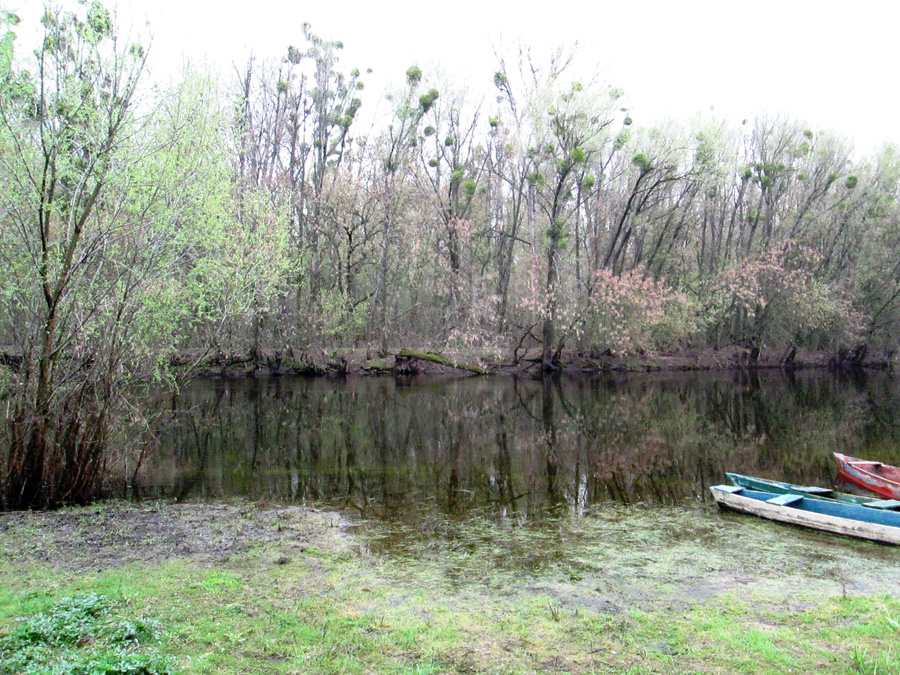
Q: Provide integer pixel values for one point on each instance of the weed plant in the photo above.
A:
(83, 635)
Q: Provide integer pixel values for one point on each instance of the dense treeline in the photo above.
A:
(548, 214)
(258, 215)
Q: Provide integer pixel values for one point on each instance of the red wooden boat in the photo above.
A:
(875, 477)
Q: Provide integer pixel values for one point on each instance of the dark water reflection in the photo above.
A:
(516, 447)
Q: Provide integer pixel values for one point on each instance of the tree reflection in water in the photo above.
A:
(511, 446)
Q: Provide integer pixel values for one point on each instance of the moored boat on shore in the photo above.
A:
(874, 477)
(828, 516)
(814, 492)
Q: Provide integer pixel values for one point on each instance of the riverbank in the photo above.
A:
(241, 587)
(405, 361)
(415, 362)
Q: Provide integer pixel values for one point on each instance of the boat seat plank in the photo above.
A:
(733, 489)
(887, 504)
(784, 500)
(815, 490)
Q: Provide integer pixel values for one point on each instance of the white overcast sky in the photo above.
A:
(834, 65)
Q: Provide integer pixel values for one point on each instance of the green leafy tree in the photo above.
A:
(108, 243)
(63, 126)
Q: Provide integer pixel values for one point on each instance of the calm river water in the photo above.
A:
(516, 447)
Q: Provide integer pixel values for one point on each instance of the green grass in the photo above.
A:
(584, 596)
(86, 634)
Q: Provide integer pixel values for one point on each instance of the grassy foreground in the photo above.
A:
(238, 588)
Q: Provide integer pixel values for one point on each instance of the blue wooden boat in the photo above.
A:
(829, 516)
(814, 492)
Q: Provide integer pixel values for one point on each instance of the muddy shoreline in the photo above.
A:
(117, 534)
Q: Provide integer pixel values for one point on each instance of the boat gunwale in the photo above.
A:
(811, 491)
